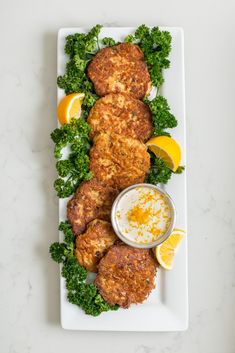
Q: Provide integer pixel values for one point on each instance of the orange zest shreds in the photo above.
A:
(138, 215)
(148, 197)
(156, 213)
(118, 214)
(155, 231)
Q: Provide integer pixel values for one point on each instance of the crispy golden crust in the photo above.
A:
(92, 200)
(122, 114)
(126, 275)
(119, 161)
(94, 243)
(120, 68)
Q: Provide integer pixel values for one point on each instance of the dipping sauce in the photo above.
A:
(143, 215)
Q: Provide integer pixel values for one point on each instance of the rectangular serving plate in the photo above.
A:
(166, 309)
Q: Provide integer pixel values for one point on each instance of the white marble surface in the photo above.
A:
(29, 292)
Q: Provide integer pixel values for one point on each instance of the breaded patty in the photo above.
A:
(122, 114)
(94, 243)
(92, 200)
(126, 275)
(119, 161)
(120, 68)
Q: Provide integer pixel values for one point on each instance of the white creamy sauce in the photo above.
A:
(143, 214)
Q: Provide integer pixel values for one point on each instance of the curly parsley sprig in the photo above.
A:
(159, 172)
(80, 48)
(108, 42)
(79, 292)
(162, 117)
(73, 170)
(156, 46)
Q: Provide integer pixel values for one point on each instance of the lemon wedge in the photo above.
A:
(165, 252)
(166, 148)
(70, 107)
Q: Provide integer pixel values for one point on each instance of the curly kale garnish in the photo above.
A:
(80, 48)
(75, 79)
(73, 170)
(130, 38)
(83, 44)
(108, 42)
(156, 46)
(60, 251)
(159, 172)
(66, 228)
(80, 293)
(162, 117)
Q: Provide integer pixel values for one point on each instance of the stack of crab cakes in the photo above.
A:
(121, 123)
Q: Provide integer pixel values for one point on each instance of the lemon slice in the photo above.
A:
(166, 148)
(70, 107)
(165, 252)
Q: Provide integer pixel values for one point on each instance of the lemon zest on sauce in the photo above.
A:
(138, 215)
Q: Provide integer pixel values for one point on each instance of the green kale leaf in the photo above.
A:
(79, 292)
(108, 42)
(161, 116)
(156, 46)
(159, 172)
(80, 48)
(73, 170)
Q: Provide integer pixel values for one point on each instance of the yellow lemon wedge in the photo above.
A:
(165, 252)
(166, 148)
(70, 107)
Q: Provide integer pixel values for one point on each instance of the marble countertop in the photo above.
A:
(29, 293)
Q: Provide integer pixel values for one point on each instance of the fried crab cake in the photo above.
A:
(126, 275)
(92, 200)
(94, 243)
(120, 68)
(122, 114)
(119, 161)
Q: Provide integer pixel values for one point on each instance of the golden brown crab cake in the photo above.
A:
(94, 243)
(120, 68)
(92, 200)
(119, 161)
(126, 275)
(122, 114)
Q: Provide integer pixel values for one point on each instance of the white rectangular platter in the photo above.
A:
(167, 307)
